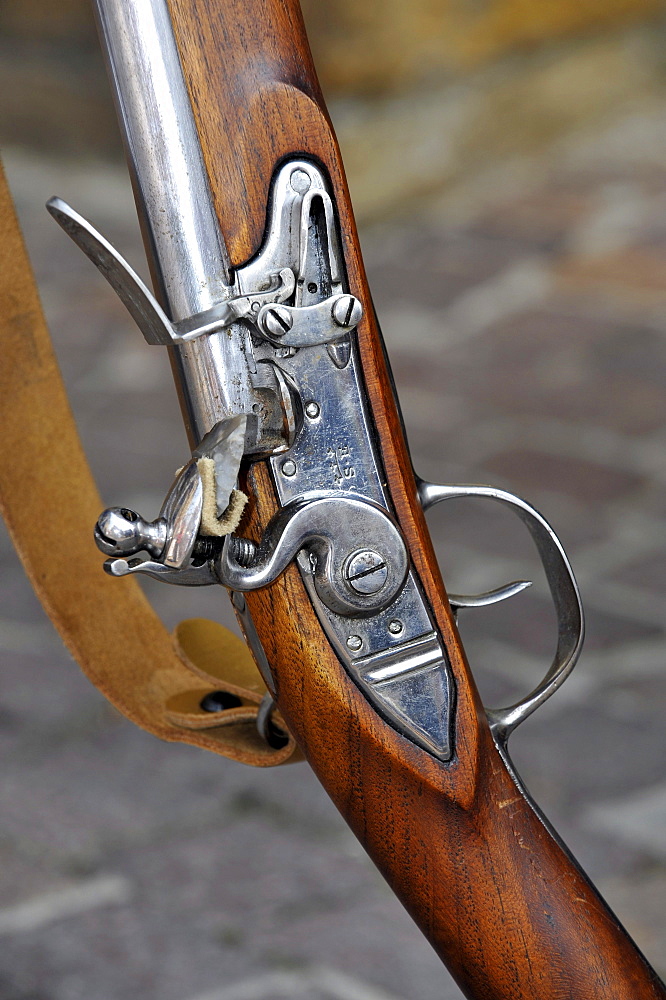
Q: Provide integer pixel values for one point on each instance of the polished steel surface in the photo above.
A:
(189, 576)
(253, 640)
(563, 589)
(142, 305)
(366, 571)
(164, 150)
(306, 352)
(171, 538)
(140, 302)
(122, 532)
(458, 601)
(400, 659)
(331, 529)
(174, 198)
(334, 449)
(309, 326)
(267, 407)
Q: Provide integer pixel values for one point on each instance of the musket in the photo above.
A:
(299, 498)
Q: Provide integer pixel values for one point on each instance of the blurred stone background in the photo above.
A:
(507, 161)
(424, 94)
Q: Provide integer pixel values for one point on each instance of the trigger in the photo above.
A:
(458, 601)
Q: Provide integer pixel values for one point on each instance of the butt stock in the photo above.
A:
(500, 899)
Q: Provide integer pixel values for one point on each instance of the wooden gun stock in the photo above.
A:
(465, 850)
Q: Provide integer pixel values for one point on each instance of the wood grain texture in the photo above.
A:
(503, 904)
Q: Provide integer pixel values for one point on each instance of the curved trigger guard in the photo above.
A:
(563, 589)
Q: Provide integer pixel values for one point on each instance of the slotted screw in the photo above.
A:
(277, 321)
(366, 572)
(347, 310)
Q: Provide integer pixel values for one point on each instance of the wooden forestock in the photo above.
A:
(504, 905)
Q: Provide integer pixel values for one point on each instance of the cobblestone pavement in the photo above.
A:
(528, 339)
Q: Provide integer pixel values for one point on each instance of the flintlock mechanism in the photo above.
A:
(291, 315)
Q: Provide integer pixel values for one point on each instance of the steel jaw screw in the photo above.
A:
(277, 321)
(366, 572)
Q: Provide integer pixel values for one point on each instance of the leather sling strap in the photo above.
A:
(50, 503)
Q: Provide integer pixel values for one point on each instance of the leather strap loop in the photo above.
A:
(156, 680)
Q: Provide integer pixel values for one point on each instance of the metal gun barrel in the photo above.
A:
(191, 265)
